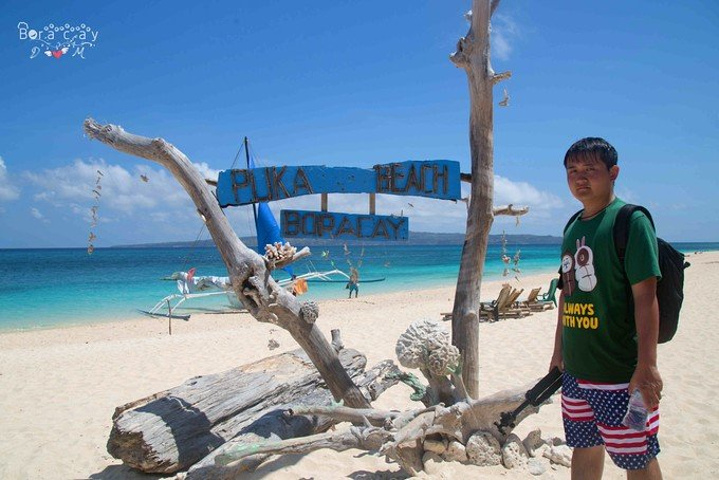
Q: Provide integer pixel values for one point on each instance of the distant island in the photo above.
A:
(415, 238)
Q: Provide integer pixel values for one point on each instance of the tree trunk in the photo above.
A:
(251, 279)
(473, 55)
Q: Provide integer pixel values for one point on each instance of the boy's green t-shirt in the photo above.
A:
(599, 334)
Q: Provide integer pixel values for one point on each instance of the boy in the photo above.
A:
(608, 323)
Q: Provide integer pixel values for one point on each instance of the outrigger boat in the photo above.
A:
(193, 287)
(268, 232)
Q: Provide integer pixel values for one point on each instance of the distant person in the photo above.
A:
(608, 323)
(353, 284)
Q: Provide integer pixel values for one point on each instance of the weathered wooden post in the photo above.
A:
(473, 56)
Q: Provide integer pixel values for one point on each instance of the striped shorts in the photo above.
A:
(592, 414)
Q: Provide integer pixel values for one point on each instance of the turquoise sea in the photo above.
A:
(41, 288)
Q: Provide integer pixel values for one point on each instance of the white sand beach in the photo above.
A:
(59, 387)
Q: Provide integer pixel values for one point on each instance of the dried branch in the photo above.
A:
(510, 210)
(498, 77)
(461, 56)
(401, 434)
(305, 252)
(364, 438)
(389, 419)
(251, 280)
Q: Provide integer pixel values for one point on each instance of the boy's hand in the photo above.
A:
(556, 361)
(649, 382)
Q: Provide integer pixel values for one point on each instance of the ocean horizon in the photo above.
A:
(50, 288)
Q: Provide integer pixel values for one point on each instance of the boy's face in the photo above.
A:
(589, 179)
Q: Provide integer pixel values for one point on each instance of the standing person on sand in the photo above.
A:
(353, 284)
(608, 324)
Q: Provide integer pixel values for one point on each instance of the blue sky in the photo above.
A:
(353, 83)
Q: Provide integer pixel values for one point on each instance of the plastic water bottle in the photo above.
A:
(636, 416)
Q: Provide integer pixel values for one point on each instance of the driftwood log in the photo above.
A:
(171, 430)
(400, 436)
(310, 415)
(250, 273)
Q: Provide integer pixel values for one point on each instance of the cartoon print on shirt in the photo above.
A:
(584, 258)
(568, 277)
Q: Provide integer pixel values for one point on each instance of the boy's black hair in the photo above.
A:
(594, 148)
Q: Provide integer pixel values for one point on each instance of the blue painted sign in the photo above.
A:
(433, 178)
(332, 225)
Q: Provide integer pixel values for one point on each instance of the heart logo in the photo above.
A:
(57, 53)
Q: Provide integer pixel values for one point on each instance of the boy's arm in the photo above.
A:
(557, 359)
(646, 314)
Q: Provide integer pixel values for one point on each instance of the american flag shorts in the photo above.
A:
(592, 414)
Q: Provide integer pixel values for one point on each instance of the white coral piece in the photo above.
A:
(277, 252)
(443, 359)
(427, 345)
(514, 453)
(483, 450)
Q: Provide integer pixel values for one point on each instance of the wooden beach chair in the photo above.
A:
(547, 301)
(506, 305)
(502, 297)
(486, 308)
(515, 308)
(533, 294)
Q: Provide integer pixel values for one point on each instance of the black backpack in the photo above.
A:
(670, 289)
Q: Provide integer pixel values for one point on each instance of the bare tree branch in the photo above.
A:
(377, 418)
(511, 210)
(498, 77)
(251, 280)
(401, 435)
(272, 265)
(356, 437)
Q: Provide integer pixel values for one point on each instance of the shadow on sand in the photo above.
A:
(123, 472)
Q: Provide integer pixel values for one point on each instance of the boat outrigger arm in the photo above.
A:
(191, 286)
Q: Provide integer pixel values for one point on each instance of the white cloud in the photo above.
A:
(524, 194)
(504, 32)
(8, 191)
(38, 215)
(133, 202)
(627, 195)
(113, 188)
(206, 171)
(544, 207)
(430, 214)
(159, 208)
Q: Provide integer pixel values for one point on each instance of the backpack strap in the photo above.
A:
(621, 228)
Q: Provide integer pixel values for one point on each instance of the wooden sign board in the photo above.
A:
(433, 178)
(333, 225)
